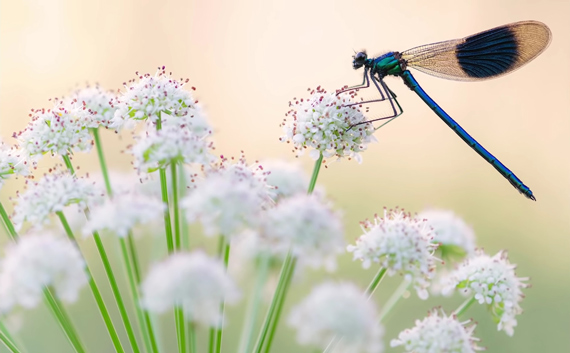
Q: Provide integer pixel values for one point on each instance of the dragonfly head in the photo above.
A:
(359, 59)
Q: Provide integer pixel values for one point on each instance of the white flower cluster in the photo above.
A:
(61, 130)
(11, 162)
(240, 171)
(36, 261)
(288, 178)
(492, 280)
(338, 313)
(100, 104)
(175, 142)
(307, 226)
(436, 334)
(450, 231)
(229, 200)
(326, 123)
(52, 194)
(192, 281)
(400, 244)
(150, 96)
(123, 212)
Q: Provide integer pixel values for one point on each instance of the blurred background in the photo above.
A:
(248, 58)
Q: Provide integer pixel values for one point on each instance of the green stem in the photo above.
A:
(212, 340)
(184, 224)
(175, 208)
(167, 222)
(222, 305)
(137, 277)
(164, 191)
(135, 293)
(7, 333)
(8, 343)
(375, 282)
(95, 290)
(63, 319)
(315, 175)
(253, 305)
(394, 299)
(180, 329)
(273, 305)
(8, 223)
(179, 313)
(68, 163)
(213, 343)
(101, 156)
(280, 305)
(463, 308)
(115, 289)
(192, 338)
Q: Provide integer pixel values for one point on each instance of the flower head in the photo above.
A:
(61, 130)
(436, 334)
(451, 232)
(123, 212)
(99, 102)
(192, 281)
(36, 261)
(400, 244)
(52, 194)
(288, 178)
(308, 226)
(327, 123)
(339, 312)
(229, 200)
(493, 282)
(150, 96)
(11, 162)
(175, 142)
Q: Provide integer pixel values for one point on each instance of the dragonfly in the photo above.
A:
(485, 55)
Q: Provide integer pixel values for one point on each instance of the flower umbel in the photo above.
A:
(100, 104)
(451, 232)
(401, 244)
(327, 124)
(152, 95)
(288, 178)
(36, 261)
(192, 281)
(173, 143)
(52, 194)
(60, 130)
(437, 333)
(229, 200)
(338, 312)
(11, 162)
(308, 226)
(123, 212)
(492, 280)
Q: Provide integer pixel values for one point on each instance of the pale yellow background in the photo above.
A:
(248, 58)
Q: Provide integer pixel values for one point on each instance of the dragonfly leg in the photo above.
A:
(382, 96)
(396, 109)
(365, 84)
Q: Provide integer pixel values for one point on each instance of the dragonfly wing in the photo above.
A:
(484, 55)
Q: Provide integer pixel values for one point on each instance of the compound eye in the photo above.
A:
(360, 56)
